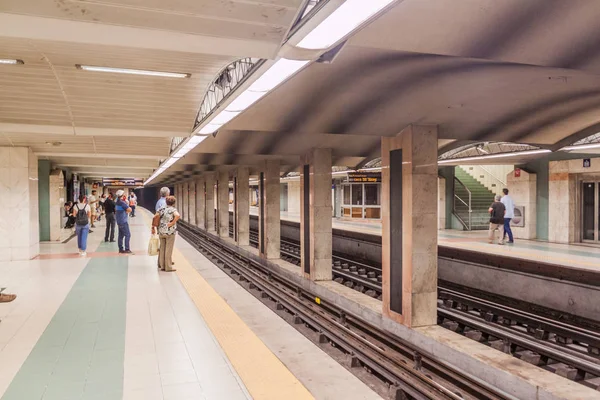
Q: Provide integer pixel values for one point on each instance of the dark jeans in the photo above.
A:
(124, 233)
(110, 226)
(132, 211)
(507, 230)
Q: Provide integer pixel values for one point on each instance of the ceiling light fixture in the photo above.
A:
(501, 155)
(184, 148)
(346, 18)
(273, 77)
(132, 71)
(581, 147)
(11, 61)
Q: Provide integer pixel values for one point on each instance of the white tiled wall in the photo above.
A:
(19, 215)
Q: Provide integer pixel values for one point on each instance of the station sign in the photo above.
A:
(122, 182)
(364, 177)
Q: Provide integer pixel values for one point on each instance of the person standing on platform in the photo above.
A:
(166, 231)
(510, 214)
(497, 211)
(122, 210)
(93, 203)
(132, 202)
(82, 213)
(161, 203)
(101, 201)
(109, 210)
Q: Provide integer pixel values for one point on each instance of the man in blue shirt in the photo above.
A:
(510, 214)
(122, 210)
(162, 202)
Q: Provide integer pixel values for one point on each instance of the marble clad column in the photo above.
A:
(192, 202)
(223, 203)
(316, 216)
(210, 201)
(523, 190)
(242, 206)
(562, 204)
(19, 208)
(409, 222)
(200, 203)
(184, 201)
(269, 211)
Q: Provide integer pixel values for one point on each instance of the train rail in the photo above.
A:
(566, 349)
(392, 367)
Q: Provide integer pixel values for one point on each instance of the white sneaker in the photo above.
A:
(83, 254)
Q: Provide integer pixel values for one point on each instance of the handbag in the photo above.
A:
(153, 245)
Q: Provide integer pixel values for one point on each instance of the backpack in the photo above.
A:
(81, 218)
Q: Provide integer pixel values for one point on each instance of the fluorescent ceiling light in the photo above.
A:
(370, 169)
(245, 100)
(224, 117)
(341, 22)
(10, 61)
(210, 128)
(197, 139)
(501, 155)
(582, 147)
(133, 71)
(275, 75)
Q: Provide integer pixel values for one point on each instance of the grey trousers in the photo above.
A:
(165, 252)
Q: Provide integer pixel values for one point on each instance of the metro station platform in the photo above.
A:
(109, 326)
(576, 256)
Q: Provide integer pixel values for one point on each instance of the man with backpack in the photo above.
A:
(82, 212)
(122, 211)
(497, 211)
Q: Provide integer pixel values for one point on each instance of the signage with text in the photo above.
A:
(122, 182)
(364, 177)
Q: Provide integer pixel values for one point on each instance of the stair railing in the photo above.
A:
(465, 202)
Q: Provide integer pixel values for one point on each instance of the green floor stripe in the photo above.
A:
(80, 355)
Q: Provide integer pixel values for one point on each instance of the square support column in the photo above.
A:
(241, 207)
(200, 203)
(316, 215)
(192, 202)
(409, 222)
(185, 200)
(209, 193)
(269, 229)
(223, 203)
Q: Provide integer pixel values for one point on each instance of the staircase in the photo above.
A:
(481, 198)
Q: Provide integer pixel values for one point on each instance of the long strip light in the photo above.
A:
(341, 22)
(582, 147)
(273, 77)
(132, 71)
(10, 61)
(182, 150)
(501, 155)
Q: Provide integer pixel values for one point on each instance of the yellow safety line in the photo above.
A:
(263, 374)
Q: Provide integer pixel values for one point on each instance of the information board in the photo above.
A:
(364, 177)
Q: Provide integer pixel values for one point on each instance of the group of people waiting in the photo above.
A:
(116, 209)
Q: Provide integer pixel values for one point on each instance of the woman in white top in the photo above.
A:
(82, 212)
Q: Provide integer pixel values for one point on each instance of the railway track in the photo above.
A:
(392, 367)
(563, 348)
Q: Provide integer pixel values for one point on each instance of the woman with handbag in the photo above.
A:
(167, 228)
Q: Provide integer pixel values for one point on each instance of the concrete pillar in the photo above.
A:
(185, 202)
(19, 208)
(200, 204)
(293, 197)
(57, 195)
(315, 215)
(44, 199)
(241, 207)
(192, 202)
(209, 193)
(269, 229)
(409, 222)
(522, 187)
(223, 203)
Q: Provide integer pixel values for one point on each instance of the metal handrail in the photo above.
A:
(492, 175)
(457, 197)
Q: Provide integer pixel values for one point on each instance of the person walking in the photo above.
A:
(122, 210)
(166, 232)
(93, 203)
(109, 215)
(101, 201)
(496, 211)
(132, 202)
(510, 214)
(82, 213)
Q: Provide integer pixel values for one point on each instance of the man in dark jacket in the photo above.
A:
(109, 212)
(497, 211)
